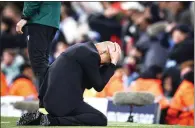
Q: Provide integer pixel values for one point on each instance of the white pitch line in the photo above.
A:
(5, 122)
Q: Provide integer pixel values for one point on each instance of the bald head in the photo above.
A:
(108, 44)
(103, 49)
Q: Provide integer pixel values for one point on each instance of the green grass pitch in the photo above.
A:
(10, 122)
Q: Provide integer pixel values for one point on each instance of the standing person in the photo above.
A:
(81, 66)
(42, 20)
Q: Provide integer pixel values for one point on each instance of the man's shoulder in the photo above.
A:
(83, 48)
(77, 51)
(83, 52)
(75, 48)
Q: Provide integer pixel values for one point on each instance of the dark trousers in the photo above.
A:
(83, 115)
(39, 38)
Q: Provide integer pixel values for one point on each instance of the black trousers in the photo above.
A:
(83, 115)
(39, 38)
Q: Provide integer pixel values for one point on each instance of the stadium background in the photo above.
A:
(143, 30)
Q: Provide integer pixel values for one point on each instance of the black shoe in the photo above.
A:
(45, 121)
(30, 119)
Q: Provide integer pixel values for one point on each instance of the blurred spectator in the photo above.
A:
(130, 31)
(10, 64)
(150, 81)
(106, 24)
(4, 86)
(181, 110)
(182, 43)
(114, 85)
(179, 12)
(61, 47)
(153, 12)
(8, 38)
(181, 33)
(163, 8)
(6, 25)
(59, 36)
(24, 54)
(157, 54)
(144, 40)
(68, 25)
(143, 43)
(86, 8)
(136, 57)
(153, 46)
(12, 11)
(130, 72)
(23, 84)
(170, 81)
(11, 15)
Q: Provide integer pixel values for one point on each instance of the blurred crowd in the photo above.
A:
(157, 40)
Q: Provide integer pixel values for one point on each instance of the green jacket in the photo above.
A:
(45, 13)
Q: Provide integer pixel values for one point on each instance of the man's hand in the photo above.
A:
(20, 25)
(115, 54)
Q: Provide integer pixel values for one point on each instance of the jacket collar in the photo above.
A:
(92, 46)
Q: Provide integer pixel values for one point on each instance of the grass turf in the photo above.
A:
(10, 122)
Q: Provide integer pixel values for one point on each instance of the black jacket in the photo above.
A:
(174, 74)
(182, 51)
(73, 71)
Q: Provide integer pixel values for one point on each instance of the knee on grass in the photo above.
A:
(101, 120)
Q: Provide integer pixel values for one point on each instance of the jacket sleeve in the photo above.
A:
(30, 9)
(97, 76)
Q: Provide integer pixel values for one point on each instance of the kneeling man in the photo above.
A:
(81, 66)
